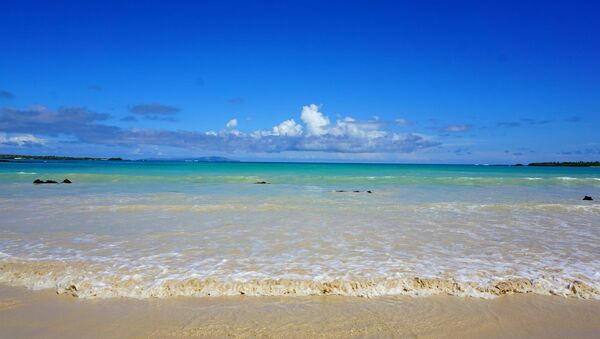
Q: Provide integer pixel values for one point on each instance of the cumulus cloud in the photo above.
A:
(6, 95)
(316, 122)
(318, 134)
(20, 140)
(153, 109)
(232, 123)
(288, 128)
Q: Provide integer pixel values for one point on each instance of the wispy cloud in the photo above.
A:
(6, 95)
(236, 101)
(96, 88)
(510, 124)
(129, 118)
(586, 151)
(457, 128)
(41, 120)
(523, 121)
(462, 151)
(536, 121)
(402, 122)
(20, 140)
(153, 109)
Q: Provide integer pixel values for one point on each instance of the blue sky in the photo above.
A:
(393, 81)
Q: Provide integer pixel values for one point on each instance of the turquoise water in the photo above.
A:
(159, 229)
(300, 173)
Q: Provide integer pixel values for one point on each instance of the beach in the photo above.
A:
(137, 249)
(26, 314)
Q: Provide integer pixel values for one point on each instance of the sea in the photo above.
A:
(160, 229)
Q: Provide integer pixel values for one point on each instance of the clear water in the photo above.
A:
(160, 229)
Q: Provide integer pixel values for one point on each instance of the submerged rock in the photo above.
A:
(261, 183)
(587, 197)
(38, 181)
(356, 191)
(50, 182)
(67, 181)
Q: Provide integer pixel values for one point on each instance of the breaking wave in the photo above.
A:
(78, 280)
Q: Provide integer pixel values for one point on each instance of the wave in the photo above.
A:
(314, 179)
(69, 279)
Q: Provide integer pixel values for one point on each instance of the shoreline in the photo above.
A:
(26, 313)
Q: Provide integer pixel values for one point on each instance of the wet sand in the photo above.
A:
(35, 314)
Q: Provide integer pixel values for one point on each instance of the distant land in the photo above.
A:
(51, 157)
(20, 157)
(568, 164)
(199, 159)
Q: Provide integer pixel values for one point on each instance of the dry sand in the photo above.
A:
(29, 314)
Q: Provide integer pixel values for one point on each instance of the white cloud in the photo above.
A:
(232, 123)
(288, 128)
(316, 122)
(457, 128)
(402, 122)
(348, 127)
(315, 133)
(20, 140)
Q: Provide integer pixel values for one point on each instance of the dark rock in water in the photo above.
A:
(67, 181)
(38, 181)
(342, 191)
(587, 197)
(262, 183)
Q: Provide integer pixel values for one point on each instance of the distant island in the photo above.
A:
(568, 164)
(21, 158)
(199, 159)
(18, 157)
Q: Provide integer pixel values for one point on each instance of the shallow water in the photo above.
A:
(143, 229)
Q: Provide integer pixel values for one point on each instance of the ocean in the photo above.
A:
(174, 228)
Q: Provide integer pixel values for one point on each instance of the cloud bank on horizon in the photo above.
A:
(38, 125)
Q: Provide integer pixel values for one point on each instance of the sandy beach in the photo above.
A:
(44, 314)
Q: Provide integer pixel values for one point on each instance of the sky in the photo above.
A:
(352, 81)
